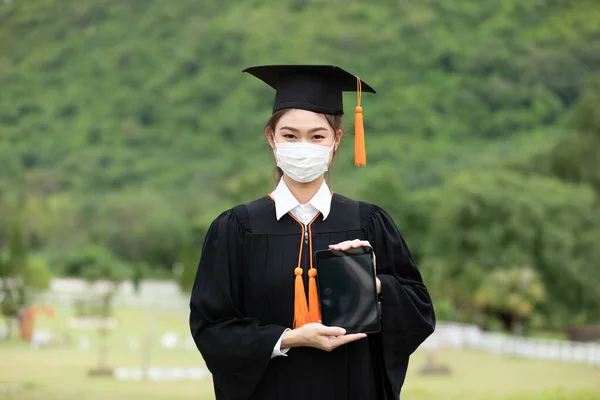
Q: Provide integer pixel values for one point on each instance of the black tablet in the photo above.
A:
(347, 290)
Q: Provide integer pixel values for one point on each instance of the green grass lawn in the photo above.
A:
(61, 372)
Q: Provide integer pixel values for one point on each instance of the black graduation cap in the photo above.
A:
(316, 88)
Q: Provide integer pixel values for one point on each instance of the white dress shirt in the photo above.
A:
(286, 202)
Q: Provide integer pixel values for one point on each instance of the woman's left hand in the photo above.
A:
(354, 244)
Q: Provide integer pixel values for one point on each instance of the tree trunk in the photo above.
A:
(517, 327)
(149, 341)
(103, 347)
(507, 321)
(9, 327)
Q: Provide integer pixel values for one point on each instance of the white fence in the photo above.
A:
(146, 287)
(166, 296)
(162, 374)
(151, 294)
(174, 303)
(459, 336)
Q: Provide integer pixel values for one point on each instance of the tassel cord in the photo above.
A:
(303, 314)
(360, 153)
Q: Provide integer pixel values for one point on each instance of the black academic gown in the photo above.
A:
(243, 300)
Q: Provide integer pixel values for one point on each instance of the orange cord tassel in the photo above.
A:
(360, 153)
(313, 297)
(301, 315)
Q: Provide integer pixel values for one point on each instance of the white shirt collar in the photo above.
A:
(286, 202)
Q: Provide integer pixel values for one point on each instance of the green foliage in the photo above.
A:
(189, 260)
(500, 218)
(94, 104)
(411, 210)
(92, 262)
(17, 251)
(12, 298)
(137, 226)
(37, 274)
(514, 292)
(12, 269)
(576, 157)
(140, 271)
(16, 286)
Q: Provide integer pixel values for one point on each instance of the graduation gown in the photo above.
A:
(243, 295)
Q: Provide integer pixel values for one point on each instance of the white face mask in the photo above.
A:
(303, 162)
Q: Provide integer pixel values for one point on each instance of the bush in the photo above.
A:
(92, 262)
(37, 274)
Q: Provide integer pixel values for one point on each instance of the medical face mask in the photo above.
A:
(303, 162)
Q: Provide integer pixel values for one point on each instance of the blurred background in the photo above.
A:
(126, 127)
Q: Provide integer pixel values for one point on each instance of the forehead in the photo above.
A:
(303, 119)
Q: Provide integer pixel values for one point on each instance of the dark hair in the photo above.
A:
(335, 121)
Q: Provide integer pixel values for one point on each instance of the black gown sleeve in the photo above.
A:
(408, 317)
(236, 349)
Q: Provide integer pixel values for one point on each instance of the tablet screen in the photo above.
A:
(347, 291)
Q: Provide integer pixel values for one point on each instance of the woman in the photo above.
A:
(250, 318)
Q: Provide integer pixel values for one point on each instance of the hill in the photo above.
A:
(107, 95)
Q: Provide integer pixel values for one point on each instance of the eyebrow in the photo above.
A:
(313, 130)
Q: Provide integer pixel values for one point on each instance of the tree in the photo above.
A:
(501, 218)
(96, 263)
(12, 288)
(411, 211)
(91, 262)
(138, 226)
(576, 157)
(189, 259)
(511, 294)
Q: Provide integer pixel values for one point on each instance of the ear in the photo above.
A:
(269, 135)
(338, 138)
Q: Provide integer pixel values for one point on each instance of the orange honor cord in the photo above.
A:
(360, 153)
(302, 315)
(300, 304)
(314, 310)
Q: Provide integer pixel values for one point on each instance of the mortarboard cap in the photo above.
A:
(316, 88)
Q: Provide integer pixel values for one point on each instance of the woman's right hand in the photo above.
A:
(318, 336)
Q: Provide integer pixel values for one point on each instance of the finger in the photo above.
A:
(356, 335)
(341, 246)
(330, 331)
(349, 244)
(356, 243)
(342, 340)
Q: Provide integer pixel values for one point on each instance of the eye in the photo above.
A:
(289, 136)
(318, 137)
